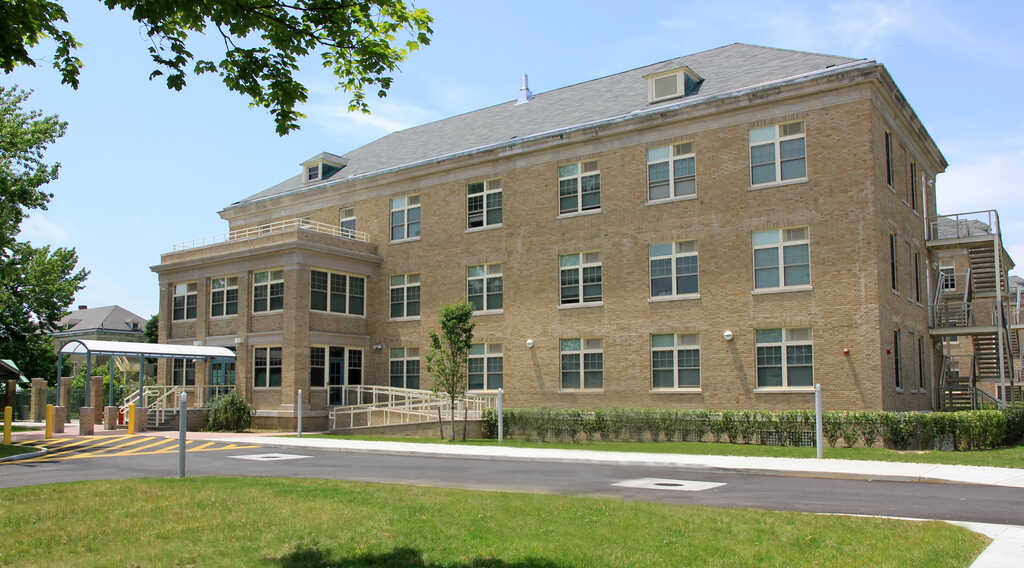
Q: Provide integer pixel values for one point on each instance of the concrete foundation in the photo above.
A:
(86, 421)
(60, 414)
(37, 406)
(110, 417)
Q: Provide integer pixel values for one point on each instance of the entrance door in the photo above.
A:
(336, 376)
(222, 378)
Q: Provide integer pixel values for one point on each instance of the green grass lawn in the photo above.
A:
(306, 522)
(10, 450)
(24, 428)
(1003, 457)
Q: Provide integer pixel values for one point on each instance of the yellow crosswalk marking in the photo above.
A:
(127, 445)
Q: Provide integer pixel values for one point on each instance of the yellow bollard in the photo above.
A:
(131, 418)
(49, 421)
(8, 418)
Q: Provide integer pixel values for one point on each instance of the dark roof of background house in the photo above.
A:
(110, 318)
(724, 69)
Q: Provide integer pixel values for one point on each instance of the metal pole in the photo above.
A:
(182, 424)
(110, 370)
(300, 413)
(818, 437)
(60, 371)
(501, 417)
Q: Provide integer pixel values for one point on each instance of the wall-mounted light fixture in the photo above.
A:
(727, 335)
(377, 347)
(529, 344)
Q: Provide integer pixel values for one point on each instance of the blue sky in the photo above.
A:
(144, 167)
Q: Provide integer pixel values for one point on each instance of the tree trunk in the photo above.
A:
(440, 422)
(465, 418)
(451, 407)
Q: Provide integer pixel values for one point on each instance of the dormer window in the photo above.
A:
(313, 173)
(670, 84)
(322, 167)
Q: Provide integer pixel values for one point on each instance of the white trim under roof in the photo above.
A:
(151, 350)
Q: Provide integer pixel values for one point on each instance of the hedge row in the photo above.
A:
(957, 430)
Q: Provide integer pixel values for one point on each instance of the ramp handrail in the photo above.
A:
(395, 405)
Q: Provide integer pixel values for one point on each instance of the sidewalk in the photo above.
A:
(856, 469)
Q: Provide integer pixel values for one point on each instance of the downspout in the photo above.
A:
(998, 244)
(928, 287)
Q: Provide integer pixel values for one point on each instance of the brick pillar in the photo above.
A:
(37, 408)
(86, 421)
(65, 395)
(60, 414)
(96, 396)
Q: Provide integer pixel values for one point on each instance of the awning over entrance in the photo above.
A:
(151, 350)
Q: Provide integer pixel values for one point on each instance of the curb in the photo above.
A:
(41, 452)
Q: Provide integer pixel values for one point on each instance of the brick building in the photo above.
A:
(720, 230)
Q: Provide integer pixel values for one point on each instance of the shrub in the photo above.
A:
(229, 412)
(747, 423)
(1014, 425)
(489, 424)
(868, 426)
(832, 427)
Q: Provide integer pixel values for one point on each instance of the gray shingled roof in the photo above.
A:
(724, 69)
(111, 318)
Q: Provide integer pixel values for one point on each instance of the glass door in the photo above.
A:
(336, 376)
(222, 378)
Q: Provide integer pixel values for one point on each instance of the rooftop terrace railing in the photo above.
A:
(272, 228)
(963, 225)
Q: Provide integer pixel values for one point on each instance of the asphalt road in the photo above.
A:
(977, 503)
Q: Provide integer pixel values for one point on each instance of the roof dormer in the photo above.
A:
(322, 166)
(669, 84)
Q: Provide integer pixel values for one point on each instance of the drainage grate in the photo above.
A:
(667, 484)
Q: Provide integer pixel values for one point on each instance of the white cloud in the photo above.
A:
(41, 231)
(387, 116)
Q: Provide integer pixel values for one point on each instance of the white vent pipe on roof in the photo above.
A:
(525, 95)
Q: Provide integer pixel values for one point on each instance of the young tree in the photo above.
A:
(263, 42)
(36, 284)
(449, 351)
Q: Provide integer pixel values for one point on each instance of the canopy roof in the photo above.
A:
(156, 350)
(8, 370)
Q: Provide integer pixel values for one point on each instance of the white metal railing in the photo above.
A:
(371, 405)
(963, 225)
(271, 228)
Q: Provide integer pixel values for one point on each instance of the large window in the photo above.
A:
(333, 367)
(671, 172)
(888, 159)
(675, 361)
(912, 186)
(317, 367)
(777, 153)
(579, 187)
(405, 296)
(674, 269)
(784, 358)
(917, 276)
(268, 291)
(920, 363)
(947, 276)
(405, 367)
(183, 372)
(893, 280)
(580, 277)
(348, 221)
(185, 301)
(582, 364)
(337, 293)
(405, 218)
(484, 287)
(486, 366)
(222, 378)
(224, 296)
(896, 358)
(782, 258)
(483, 203)
(266, 366)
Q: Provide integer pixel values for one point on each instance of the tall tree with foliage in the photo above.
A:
(36, 284)
(449, 352)
(152, 331)
(357, 40)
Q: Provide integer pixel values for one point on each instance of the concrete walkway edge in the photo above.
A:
(853, 469)
(16, 457)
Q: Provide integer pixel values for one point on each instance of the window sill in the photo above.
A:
(266, 388)
(783, 290)
(401, 241)
(191, 320)
(670, 199)
(581, 391)
(582, 305)
(271, 312)
(797, 181)
(578, 214)
(784, 390)
(489, 312)
(697, 390)
(412, 318)
(326, 313)
(484, 228)
(229, 316)
(481, 391)
(899, 390)
(656, 299)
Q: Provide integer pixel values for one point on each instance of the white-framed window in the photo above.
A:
(888, 159)
(674, 269)
(223, 296)
(777, 153)
(317, 367)
(313, 173)
(580, 278)
(486, 366)
(953, 339)
(266, 367)
(485, 287)
(785, 358)
(897, 374)
(337, 293)
(268, 290)
(348, 219)
(671, 172)
(671, 84)
(405, 218)
(579, 187)
(782, 258)
(333, 367)
(483, 203)
(405, 296)
(675, 361)
(582, 364)
(185, 301)
(183, 372)
(893, 276)
(947, 276)
(405, 367)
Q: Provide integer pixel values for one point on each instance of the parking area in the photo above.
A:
(89, 447)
